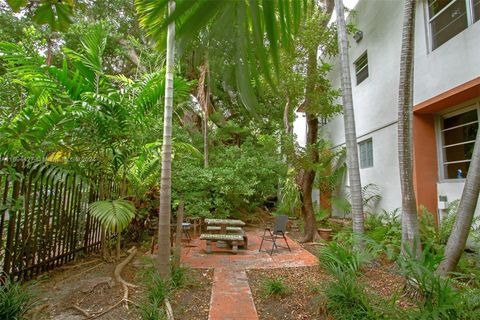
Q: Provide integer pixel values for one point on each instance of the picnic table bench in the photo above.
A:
(231, 230)
(232, 239)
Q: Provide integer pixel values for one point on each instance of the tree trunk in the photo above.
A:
(163, 259)
(310, 227)
(350, 131)
(308, 177)
(466, 209)
(203, 97)
(178, 234)
(410, 231)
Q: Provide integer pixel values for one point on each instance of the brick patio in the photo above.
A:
(231, 297)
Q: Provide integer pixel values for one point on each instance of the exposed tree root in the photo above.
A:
(169, 309)
(39, 310)
(81, 310)
(119, 279)
(310, 238)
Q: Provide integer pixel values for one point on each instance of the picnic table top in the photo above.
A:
(227, 222)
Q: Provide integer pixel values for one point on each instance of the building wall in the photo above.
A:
(375, 99)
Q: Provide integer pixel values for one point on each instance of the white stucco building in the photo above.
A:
(446, 96)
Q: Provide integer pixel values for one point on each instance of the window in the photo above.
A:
(447, 18)
(361, 68)
(458, 138)
(366, 153)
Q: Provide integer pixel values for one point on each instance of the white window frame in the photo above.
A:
(462, 108)
(360, 153)
(470, 20)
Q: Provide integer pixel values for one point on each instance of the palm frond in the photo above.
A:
(114, 215)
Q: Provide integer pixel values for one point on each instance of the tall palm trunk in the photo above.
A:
(349, 121)
(163, 259)
(466, 209)
(410, 231)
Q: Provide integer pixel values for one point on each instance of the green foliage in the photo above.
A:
(178, 276)
(237, 177)
(290, 201)
(339, 258)
(244, 25)
(156, 292)
(347, 298)
(15, 300)
(436, 297)
(274, 287)
(114, 215)
(385, 229)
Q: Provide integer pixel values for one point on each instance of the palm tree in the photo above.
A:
(246, 22)
(410, 231)
(163, 256)
(349, 121)
(466, 210)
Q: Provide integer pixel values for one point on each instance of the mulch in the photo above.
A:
(192, 302)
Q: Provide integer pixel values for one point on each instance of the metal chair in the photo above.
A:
(279, 229)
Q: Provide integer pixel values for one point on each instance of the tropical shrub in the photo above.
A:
(237, 177)
(385, 229)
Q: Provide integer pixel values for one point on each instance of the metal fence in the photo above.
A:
(44, 221)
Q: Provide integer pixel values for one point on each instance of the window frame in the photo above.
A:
(360, 144)
(469, 13)
(451, 112)
(364, 54)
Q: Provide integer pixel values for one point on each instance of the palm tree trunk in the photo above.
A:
(466, 209)
(410, 231)
(349, 121)
(163, 257)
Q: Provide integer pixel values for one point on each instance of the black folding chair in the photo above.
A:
(279, 229)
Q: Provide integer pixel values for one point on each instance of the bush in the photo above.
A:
(237, 177)
(347, 298)
(435, 297)
(385, 229)
(336, 257)
(15, 301)
(274, 287)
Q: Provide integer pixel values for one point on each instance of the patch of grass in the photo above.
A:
(15, 301)
(274, 287)
(152, 308)
(151, 311)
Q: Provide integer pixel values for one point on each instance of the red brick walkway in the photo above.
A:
(231, 296)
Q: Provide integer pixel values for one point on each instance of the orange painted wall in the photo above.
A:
(425, 161)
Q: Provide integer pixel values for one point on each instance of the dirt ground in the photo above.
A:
(90, 285)
(304, 299)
